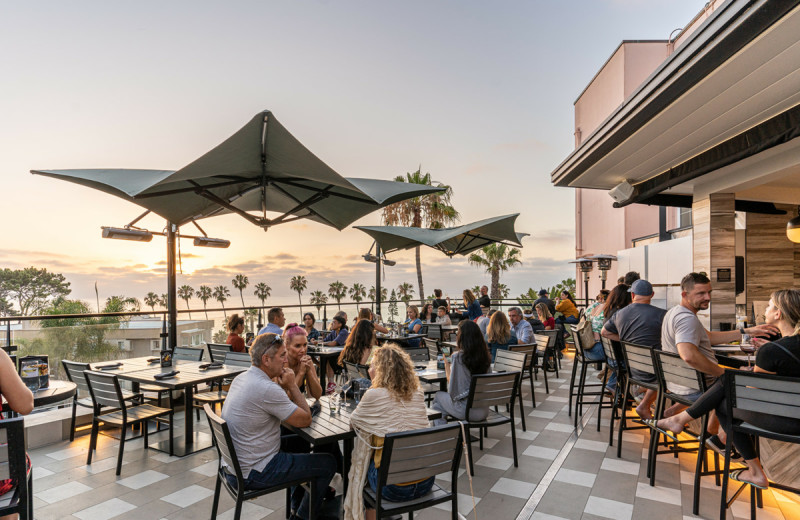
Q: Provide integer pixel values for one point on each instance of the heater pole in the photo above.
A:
(378, 279)
(172, 289)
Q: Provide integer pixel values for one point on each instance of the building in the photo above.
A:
(696, 138)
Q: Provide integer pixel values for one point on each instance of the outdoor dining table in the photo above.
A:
(138, 370)
(432, 374)
(731, 356)
(56, 392)
(329, 427)
(402, 340)
(325, 355)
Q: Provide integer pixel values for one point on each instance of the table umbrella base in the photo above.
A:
(200, 441)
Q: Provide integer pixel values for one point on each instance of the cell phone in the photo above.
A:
(249, 336)
(446, 353)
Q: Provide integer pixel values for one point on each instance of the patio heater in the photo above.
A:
(604, 264)
(586, 267)
(378, 259)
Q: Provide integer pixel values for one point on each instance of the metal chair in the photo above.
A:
(218, 351)
(13, 465)
(530, 370)
(435, 332)
(615, 364)
(214, 397)
(415, 455)
(638, 358)
(545, 344)
(105, 391)
(74, 372)
(433, 347)
(509, 361)
(419, 354)
(581, 394)
(750, 392)
(227, 454)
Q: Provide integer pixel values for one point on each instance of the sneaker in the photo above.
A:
(715, 444)
(331, 388)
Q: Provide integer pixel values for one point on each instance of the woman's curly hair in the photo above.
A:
(394, 371)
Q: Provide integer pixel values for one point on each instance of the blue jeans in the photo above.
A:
(395, 493)
(611, 383)
(595, 353)
(317, 467)
(572, 320)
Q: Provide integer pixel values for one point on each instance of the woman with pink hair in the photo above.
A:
(305, 372)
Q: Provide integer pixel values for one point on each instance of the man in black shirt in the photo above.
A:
(438, 301)
(484, 300)
(543, 298)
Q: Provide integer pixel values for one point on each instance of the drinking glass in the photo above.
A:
(356, 390)
(747, 346)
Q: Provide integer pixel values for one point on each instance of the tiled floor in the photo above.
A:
(562, 474)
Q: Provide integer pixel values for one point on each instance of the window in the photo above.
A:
(684, 217)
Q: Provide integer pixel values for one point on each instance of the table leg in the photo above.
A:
(192, 441)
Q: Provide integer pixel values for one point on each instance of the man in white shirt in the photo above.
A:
(522, 329)
(275, 322)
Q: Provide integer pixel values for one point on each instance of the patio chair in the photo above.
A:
(760, 393)
(13, 465)
(614, 362)
(74, 372)
(582, 396)
(509, 361)
(227, 454)
(217, 351)
(179, 353)
(530, 370)
(433, 348)
(548, 359)
(415, 455)
(105, 391)
(419, 354)
(213, 397)
(435, 332)
(638, 358)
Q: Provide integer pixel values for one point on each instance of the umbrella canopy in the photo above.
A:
(261, 168)
(459, 240)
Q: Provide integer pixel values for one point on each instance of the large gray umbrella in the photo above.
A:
(261, 168)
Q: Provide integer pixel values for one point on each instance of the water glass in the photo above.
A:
(356, 387)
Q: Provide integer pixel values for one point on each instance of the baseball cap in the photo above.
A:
(641, 288)
(542, 292)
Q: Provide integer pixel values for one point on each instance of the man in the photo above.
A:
(439, 301)
(520, 326)
(337, 336)
(276, 321)
(630, 277)
(257, 402)
(484, 300)
(638, 323)
(544, 297)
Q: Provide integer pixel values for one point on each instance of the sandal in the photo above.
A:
(715, 444)
(734, 475)
(652, 424)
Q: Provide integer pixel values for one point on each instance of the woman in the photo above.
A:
(338, 334)
(427, 315)
(499, 334)
(394, 403)
(781, 357)
(365, 313)
(235, 328)
(594, 313)
(20, 400)
(566, 306)
(413, 324)
(309, 320)
(305, 372)
(618, 298)
(358, 346)
(473, 307)
(545, 317)
(472, 358)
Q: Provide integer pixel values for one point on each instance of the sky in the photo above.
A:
(480, 94)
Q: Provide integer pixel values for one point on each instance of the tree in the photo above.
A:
(567, 284)
(393, 305)
(527, 298)
(164, 300)
(6, 307)
(406, 292)
(337, 290)
(262, 292)
(504, 290)
(151, 300)
(250, 315)
(204, 293)
(430, 211)
(221, 294)
(358, 292)
(185, 293)
(371, 296)
(298, 284)
(240, 282)
(318, 299)
(495, 258)
(31, 288)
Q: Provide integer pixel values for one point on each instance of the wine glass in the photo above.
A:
(747, 347)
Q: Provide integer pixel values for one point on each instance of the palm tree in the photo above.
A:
(318, 299)
(358, 292)
(185, 293)
(250, 316)
(151, 300)
(495, 258)
(406, 292)
(221, 294)
(430, 211)
(299, 284)
(337, 290)
(240, 282)
(504, 290)
(262, 292)
(371, 295)
(163, 300)
(204, 293)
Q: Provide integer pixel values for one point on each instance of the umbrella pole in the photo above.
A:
(172, 301)
(378, 279)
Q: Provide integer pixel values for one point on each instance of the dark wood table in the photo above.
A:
(432, 374)
(325, 355)
(57, 391)
(189, 376)
(402, 340)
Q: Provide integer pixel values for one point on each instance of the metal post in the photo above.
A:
(378, 278)
(172, 286)
(260, 319)
(586, 287)
(8, 333)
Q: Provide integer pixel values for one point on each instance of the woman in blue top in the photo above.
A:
(499, 334)
(414, 324)
(473, 307)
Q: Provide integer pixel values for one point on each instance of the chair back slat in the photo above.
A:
(488, 390)
(224, 443)
(104, 389)
(638, 357)
(510, 361)
(74, 371)
(608, 348)
(672, 369)
(352, 370)
(423, 330)
(772, 395)
(576, 339)
(237, 359)
(188, 354)
(420, 354)
(435, 331)
(12, 451)
(217, 351)
(529, 349)
(544, 340)
(433, 347)
(420, 454)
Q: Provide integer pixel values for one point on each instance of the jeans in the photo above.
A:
(611, 383)
(318, 468)
(395, 493)
(595, 353)
(572, 320)
(292, 443)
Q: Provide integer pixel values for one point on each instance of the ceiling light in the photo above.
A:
(793, 228)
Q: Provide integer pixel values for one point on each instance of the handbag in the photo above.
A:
(584, 330)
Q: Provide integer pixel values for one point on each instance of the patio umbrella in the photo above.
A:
(259, 169)
(459, 240)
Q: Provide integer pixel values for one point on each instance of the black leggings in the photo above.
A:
(714, 399)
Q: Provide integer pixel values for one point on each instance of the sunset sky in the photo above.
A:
(478, 93)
